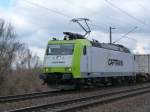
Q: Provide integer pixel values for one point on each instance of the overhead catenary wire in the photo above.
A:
(132, 38)
(70, 17)
(99, 13)
(51, 10)
(146, 10)
(125, 35)
(121, 10)
(55, 11)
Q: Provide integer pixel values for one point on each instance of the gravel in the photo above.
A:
(134, 104)
(103, 108)
(46, 100)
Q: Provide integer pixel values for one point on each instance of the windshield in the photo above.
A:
(60, 49)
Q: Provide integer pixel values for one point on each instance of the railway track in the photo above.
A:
(15, 98)
(83, 102)
(22, 97)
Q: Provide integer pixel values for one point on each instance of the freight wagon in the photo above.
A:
(142, 66)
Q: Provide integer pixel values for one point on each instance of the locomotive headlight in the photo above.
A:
(46, 69)
(68, 69)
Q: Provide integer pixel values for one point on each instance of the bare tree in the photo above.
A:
(18, 66)
(8, 47)
(26, 60)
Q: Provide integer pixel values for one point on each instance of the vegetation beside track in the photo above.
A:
(19, 68)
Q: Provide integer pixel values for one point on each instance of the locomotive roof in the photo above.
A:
(72, 37)
(116, 47)
(95, 43)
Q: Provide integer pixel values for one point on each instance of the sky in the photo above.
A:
(4, 3)
(37, 21)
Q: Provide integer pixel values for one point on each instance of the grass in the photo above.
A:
(23, 81)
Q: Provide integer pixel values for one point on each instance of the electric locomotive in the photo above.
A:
(76, 61)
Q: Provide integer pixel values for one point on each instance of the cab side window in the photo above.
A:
(84, 50)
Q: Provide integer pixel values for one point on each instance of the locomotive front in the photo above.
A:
(57, 66)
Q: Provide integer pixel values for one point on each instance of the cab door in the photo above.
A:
(85, 66)
(89, 59)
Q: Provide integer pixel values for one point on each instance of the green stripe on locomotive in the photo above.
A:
(76, 59)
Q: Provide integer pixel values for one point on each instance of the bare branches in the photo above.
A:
(26, 60)
(17, 63)
(8, 47)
